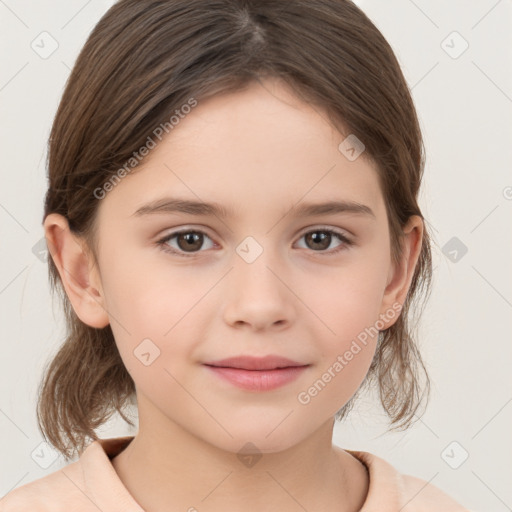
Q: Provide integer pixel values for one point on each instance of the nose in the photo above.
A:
(258, 295)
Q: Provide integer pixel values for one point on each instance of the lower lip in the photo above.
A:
(258, 380)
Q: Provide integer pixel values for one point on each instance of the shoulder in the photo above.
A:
(87, 485)
(391, 490)
(422, 496)
(59, 491)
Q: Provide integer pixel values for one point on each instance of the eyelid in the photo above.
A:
(186, 229)
(327, 227)
(202, 229)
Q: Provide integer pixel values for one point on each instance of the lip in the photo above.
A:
(270, 362)
(257, 373)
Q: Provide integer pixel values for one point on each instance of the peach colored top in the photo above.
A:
(91, 484)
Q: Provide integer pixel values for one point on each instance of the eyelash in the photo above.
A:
(162, 243)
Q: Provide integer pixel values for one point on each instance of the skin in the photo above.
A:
(260, 152)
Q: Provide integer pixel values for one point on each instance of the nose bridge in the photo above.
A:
(257, 294)
(255, 259)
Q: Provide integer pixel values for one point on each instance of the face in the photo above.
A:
(264, 277)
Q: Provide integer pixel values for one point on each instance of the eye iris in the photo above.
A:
(324, 239)
(192, 239)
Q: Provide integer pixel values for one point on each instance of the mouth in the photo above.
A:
(257, 373)
(270, 362)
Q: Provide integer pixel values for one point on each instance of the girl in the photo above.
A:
(233, 223)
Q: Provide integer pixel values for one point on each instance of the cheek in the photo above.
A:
(345, 352)
(349, 298)
(147, 294)
(157, 316)
(348, 326)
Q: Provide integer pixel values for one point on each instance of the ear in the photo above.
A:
(77, 272)
(400, 275)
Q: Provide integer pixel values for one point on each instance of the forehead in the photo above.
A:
(258, 148)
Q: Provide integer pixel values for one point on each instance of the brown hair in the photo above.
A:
(146, 58)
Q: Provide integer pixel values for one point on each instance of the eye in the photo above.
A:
(320, 239)
(189, 241)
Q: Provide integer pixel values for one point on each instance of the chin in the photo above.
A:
(258, 439)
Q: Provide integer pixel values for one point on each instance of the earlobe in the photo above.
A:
(80, 280)
(400, 276)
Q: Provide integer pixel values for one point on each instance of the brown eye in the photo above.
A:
(319, 240)
(190, 242)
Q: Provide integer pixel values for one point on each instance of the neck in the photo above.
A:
(165, 465)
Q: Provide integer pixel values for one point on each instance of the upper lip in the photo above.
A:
(270, 362)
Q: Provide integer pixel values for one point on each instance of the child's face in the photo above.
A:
(258, 154)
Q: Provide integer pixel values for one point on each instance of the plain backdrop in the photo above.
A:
(457, 59)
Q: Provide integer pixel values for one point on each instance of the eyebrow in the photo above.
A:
(200, 208)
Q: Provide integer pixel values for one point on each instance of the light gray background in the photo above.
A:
(465, 107)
